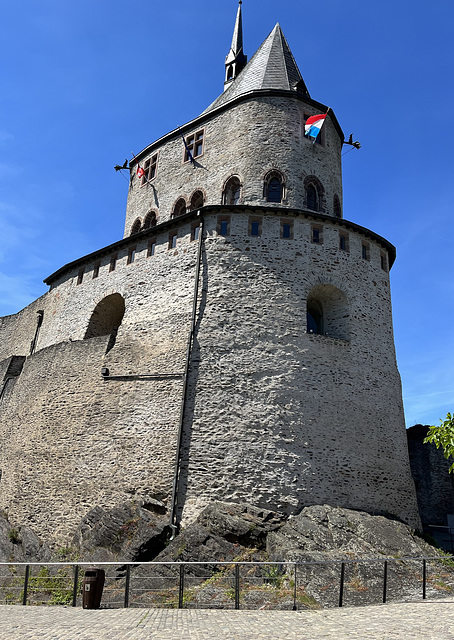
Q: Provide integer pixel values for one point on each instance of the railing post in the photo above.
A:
(237, 586)
(294, 587)
(128, 577)
(181, 587)
(341, 590)
(424, 576)
(75, 583)
(27, 574)
(385, 580)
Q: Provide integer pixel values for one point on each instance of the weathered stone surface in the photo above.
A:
(339, 533)
(125, 533)
(21, 544)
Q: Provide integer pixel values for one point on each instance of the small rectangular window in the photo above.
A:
(150, 168)
(131, 255)
(287, 229)
(344, 244)
(365, 251)
(194, 145)
(383, 262)
(151, 247)
(255, 227)
(113, 262)
(223, 226)
(80, 276)
(173, 239)
(195, 231)
(317, 234)
(96, 269)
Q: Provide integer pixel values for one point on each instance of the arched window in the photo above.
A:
(196, 200)
(337, 206)
(149, 220)
(180, 208)
(232, 191)
(328, 312)
(314, 194)
(106, 317)
(312, 198)
(274, 187)
(136, 226)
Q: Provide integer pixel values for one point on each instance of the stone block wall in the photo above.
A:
(275, 416)
(249, 139)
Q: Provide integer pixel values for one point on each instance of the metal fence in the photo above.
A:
(234, 585)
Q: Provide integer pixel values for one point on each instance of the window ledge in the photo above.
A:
(317, 337)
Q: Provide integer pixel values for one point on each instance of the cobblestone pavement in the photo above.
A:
(428, 620)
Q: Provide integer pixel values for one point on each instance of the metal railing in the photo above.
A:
(234, 585)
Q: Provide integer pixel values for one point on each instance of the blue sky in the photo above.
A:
(84, 84)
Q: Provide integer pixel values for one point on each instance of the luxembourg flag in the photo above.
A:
(313, 125)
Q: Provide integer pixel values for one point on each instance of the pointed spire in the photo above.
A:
(235, 60)
(271, 67)
(237, 40)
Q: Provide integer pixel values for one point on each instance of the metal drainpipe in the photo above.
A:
(176, 474)
(39, 322)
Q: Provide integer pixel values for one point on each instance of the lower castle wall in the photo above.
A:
(71, 440)
(290, 418)
(275, 416)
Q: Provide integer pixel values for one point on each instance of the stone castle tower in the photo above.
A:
(236, 344)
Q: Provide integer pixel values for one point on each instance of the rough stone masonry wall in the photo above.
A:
(71, 440)
(248, 140)
(280, 418)
(286, 417)
(434, 484)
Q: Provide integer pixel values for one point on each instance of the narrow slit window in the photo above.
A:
(365, 251)
(383, 262)
(96, 269)
(173, 240)
(151, 248)
(131, 255)
(195, 231)
(113, 263)
(317, 235)
(255, 227)
(344, 242)
(80, 276)
(223, 226)
(287, 229)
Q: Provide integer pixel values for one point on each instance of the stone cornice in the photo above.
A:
(214, 210)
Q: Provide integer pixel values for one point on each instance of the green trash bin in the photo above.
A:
(92, 587)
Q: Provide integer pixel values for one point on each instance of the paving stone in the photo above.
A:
(432, 620)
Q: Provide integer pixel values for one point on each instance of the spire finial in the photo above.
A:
(235, 60)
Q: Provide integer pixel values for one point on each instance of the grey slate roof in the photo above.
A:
(271, 67)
